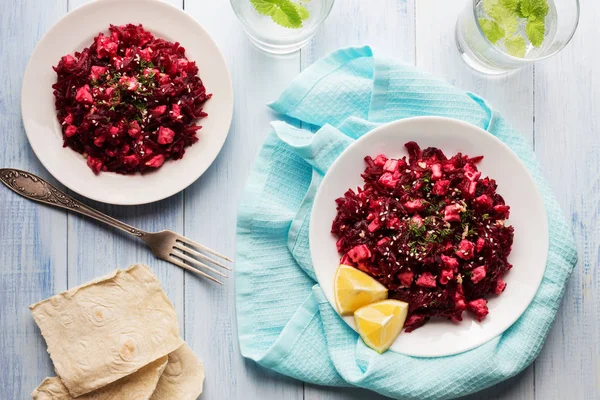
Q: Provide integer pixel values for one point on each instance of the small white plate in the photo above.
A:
(76, 31)
(440, 337)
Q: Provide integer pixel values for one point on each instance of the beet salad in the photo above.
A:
(129, 101)
(430, 229)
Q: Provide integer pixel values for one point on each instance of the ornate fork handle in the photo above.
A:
(37, 189)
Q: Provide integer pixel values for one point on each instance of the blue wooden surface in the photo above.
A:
(43, 251)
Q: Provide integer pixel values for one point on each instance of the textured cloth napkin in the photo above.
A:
(284, 320)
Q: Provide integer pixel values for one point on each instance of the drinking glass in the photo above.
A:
(498, 36)
(274, 38)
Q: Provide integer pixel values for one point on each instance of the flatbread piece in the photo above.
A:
(104, 330)
(138, 386)
(183, 377)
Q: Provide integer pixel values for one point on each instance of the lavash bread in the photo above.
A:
(138, 386)
(183, 377)
(104, 330)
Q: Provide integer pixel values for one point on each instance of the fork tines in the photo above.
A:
(183, 252)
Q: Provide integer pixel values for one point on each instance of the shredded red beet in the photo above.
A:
(430, 229)
(129, 101)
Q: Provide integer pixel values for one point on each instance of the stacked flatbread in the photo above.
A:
(116, 338)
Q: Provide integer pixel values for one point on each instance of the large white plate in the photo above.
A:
(440, 337)
(74, 32)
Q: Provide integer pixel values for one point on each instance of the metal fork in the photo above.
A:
(166, 245)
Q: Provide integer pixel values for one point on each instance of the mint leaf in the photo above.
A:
(535, 31)
(504, 17)
(511, 5)
(491, 30)
(515, 46)
(534, 9)
(264, 7)
(282, 12)
(488, 6)
(302, 11)
(287, 15)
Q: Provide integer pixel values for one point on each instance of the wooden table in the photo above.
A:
(43, 251)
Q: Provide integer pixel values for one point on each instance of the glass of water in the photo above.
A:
(498, 36)
(279, 29)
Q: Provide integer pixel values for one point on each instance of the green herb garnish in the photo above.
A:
(516, 46)
(141, 106)
(502, 22)
(146, 64)
(491, 29)
(466, 216)
(283, 12)
(433, 208)
(416, 231)
(445, 234)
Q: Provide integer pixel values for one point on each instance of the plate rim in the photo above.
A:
(160, 195)
(462, 124)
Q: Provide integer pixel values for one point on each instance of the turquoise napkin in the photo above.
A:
(284, 320)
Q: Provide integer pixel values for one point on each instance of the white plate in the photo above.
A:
(77, 30)
(440, 337)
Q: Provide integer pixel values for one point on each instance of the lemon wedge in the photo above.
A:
(354, 289)
(379, 324)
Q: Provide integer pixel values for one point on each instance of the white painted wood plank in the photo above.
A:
(95, 250)
(76, 3)
(511, 95)
(389, 27)
(33, 238)
(567, 141)
(211, 207)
